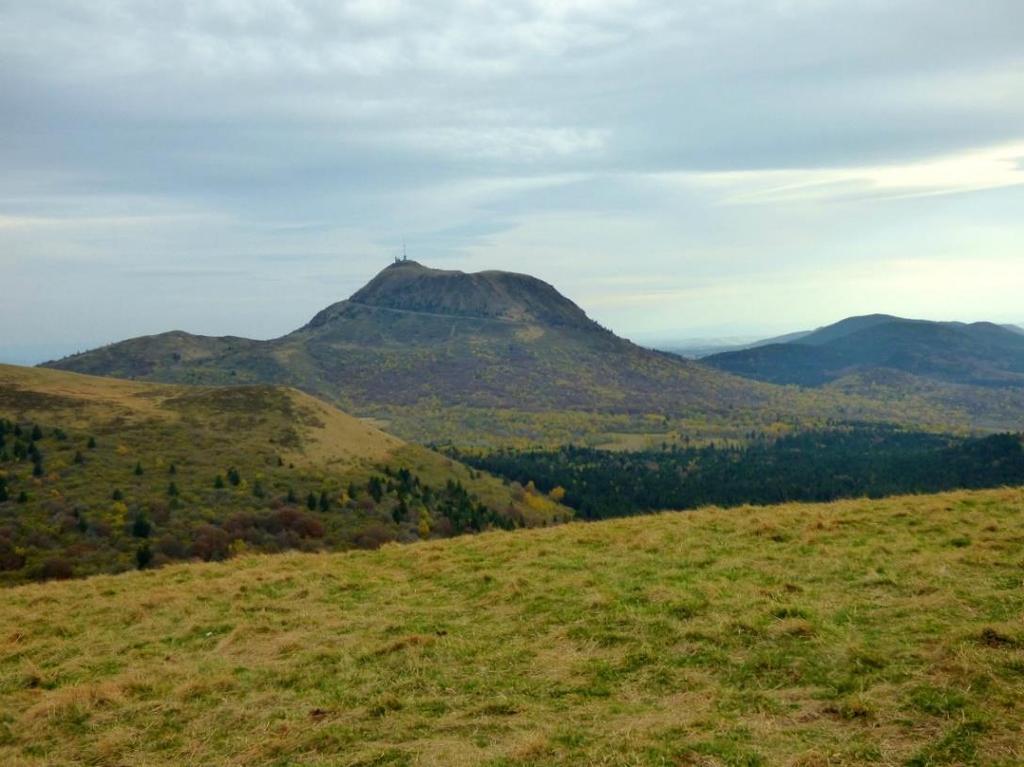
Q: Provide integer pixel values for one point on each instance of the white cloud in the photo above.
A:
(643, 156)
(968, 171)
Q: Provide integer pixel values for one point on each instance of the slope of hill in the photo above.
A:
(978, 354)
(100, 475)
(859, 632)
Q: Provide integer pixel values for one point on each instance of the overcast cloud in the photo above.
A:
(721, 167)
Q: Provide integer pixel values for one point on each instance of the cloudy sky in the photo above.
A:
(680, 169)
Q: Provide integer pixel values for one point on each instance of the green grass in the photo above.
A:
(849, 633)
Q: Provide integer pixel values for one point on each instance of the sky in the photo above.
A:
(715, 168)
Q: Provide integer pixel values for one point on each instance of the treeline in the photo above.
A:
(842, 462)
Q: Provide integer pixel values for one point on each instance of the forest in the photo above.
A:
(843, 461)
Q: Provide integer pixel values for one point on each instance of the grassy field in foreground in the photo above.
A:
(861, 632)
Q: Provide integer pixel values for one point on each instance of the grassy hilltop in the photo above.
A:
(102, 475)
(862, 632)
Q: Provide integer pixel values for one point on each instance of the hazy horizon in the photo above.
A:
(689, 337)
(734, 169)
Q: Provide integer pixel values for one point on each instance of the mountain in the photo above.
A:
(420, 339)
(979, 354)
(882, 631)
(493, 358)
(102, 475)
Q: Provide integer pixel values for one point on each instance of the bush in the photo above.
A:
(211, 543)
(56, 569)
(373, 536)
(10, 558)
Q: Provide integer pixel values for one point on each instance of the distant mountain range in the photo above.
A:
(976, 354)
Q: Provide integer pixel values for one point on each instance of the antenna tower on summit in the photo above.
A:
(404, 256)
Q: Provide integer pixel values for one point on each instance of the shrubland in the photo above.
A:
(98, 475)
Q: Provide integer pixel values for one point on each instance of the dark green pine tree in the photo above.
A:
(37, 433)
(143, 556)
(3, 490)
(172, 490)
(291, 496)
(218, 482)
(92, 443)
(141, 527)
(172, 470)
(22, 497)
(311, 501)
(79, 458)
(138, 468)
(325, 502)
(401, 512)
(117, 495)
(233, 476)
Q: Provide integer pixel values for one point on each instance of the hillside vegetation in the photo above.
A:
(101, 475)
(500, 358)
(861, 632)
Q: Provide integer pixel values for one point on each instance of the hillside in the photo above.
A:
(979, 354)
(862, 632)
(101, 475)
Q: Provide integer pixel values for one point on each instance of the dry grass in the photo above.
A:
(326, 435)
(867, 634)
